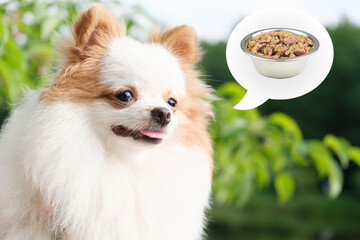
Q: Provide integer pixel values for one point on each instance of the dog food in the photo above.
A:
(281, 44)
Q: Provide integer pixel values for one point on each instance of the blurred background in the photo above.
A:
(287, 170)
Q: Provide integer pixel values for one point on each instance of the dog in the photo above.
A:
(116, 146)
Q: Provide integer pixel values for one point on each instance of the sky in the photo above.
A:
(214, 20)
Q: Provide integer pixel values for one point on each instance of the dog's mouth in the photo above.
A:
(144, 135)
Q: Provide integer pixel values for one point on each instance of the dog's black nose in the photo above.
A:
(161, 115)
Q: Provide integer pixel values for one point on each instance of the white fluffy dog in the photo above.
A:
(116, 147)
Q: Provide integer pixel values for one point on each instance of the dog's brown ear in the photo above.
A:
(182, 41)
(96, 27)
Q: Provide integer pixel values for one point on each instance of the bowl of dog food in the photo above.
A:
(279, 52)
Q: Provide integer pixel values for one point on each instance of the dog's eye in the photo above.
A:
(125, 96)
(172, 102)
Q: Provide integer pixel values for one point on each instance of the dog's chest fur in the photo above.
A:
(161, 195)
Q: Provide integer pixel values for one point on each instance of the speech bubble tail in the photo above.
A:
(250, 100)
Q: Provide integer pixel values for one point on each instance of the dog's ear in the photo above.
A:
(182, 42)
(95, 28)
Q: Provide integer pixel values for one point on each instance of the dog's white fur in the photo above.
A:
(64, 172)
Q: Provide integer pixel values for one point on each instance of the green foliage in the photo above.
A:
(340, 146)
(253, 151)
(25, 49)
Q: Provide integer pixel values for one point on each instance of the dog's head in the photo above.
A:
(136, 92)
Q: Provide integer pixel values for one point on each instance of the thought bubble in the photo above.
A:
(260, 88)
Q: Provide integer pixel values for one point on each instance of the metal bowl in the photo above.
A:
(280, 67)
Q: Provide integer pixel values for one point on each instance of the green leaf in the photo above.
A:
(354, 155)
(223, 153)
(298, 153)
(233, 130)
(231, 89)
(245, 185)
(327, 167)
(274, 150)
(11, 88)
(321, 157)
(284, 186)
(13, 55)
(335, 179)
(340, 147)
(287, 123)
(261, 169)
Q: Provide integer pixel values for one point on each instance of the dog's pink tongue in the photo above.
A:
(152, 134)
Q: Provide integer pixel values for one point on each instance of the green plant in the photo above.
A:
(26, 53)
(254, 151)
